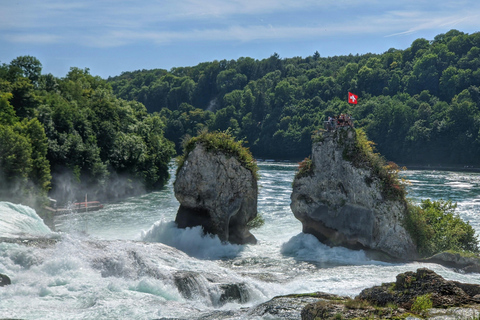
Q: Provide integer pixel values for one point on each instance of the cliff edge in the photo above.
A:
(344, 202)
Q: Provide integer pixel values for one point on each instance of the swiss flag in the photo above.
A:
(352, 98)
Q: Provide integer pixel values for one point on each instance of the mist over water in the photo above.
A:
(124, 261)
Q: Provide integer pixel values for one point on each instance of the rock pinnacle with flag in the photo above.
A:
(352, 98)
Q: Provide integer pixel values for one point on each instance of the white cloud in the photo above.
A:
(418, 21)
(33, 38)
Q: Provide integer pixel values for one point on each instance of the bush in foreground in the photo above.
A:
(435, 227)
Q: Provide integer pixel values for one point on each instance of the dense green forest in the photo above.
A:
(420, 105)
(71, 136)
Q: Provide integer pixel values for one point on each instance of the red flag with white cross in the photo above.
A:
(352, 98)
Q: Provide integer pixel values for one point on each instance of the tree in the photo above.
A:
(229, 80)
(40, 170)
(426, 72)
(418, 46)
(24, 99)
(7, 112)
(448, 83)
(15, 163)
(27, 66)
(459, 44)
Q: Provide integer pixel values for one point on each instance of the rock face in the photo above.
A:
(343, 205)
(218, 193)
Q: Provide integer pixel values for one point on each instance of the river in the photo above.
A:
(123, 262)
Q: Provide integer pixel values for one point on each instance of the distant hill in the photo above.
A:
(420, 105)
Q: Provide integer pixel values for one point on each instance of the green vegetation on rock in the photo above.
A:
(220, 141)
(422, 304)
(305, 168)
(361, 154)
(435, 227)
(256, 222)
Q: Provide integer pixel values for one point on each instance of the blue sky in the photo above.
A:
(112, 36)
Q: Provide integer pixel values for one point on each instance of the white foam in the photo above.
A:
(19, 220)
(306, 247)
(459, 185)
(192, 241)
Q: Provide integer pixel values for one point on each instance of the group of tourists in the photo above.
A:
(343, 120)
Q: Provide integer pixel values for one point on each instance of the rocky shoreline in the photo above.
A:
(415, 295)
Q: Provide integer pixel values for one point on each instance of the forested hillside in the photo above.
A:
(72, 136)
(421, 105)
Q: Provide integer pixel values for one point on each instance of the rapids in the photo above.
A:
(127, 260)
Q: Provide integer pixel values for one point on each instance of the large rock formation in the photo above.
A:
(217, 192)
(343, 204)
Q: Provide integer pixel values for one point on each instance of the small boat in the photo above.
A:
(85, 206)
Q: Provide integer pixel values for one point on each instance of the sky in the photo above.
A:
(113, 36)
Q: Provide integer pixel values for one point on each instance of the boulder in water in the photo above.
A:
(193, 285)
(216, 190)
(410, 285)
(4, 280)
(344, 203)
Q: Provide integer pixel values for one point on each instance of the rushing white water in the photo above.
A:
(17, 220)
(126, 261)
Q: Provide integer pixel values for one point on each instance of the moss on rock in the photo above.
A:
(224, 142)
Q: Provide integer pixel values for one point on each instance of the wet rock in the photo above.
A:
(217, 192)
(410, 285)
(4, 280)
(344, 205)
(192, 285)
(285, 307)
(234, 292)
(189, 284)
(450, 300)
(458, 261)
